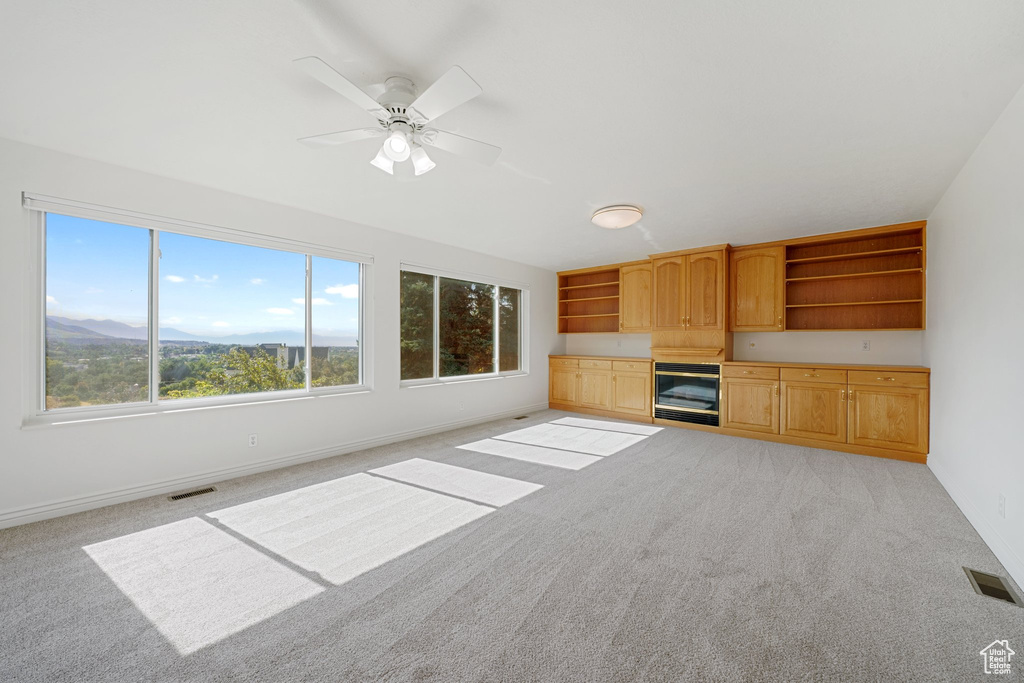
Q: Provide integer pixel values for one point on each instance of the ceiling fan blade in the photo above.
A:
(318, 69)
(341, 137)
(479, 152)
(447, 92)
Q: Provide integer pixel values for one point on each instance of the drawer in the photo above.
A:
(564, 362)
(881, 378)
(750, 371)
(631, 365)
(592, 364)
(810, 374)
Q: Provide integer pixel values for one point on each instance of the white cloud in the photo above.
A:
(174, 278)
(346, 291)
(257, 281)
(220, 323)
(317, 301)
(204, 279)
(51, 300)
(281, 311)
(173, 320)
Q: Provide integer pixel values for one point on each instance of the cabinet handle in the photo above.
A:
(780, 321)
(810, 375)
(613, 378)
(620, 324)
(886, 379)
(776, 389)
(851, 394)
(843, 397)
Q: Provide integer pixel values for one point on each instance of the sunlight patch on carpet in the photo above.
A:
(489, 489)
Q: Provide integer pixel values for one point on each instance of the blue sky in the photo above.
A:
(100, 270)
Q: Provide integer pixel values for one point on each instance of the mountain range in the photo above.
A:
(92, 331)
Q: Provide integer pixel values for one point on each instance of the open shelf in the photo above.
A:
(848, 275)
(856, 303)
(870, 281)
(588, 301)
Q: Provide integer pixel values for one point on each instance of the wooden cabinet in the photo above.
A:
(668, 293)
(601, 386)
(635, 298)
(757, 287)
(751, 404)
(689, 291)
(631, 388)
(813, 410)
(705, 291)
(596, 389)
(562, 383)
(892, 417)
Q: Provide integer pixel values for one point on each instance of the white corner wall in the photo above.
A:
(973, 340)
(51, 470)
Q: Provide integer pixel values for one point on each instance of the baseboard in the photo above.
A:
(1003, 551)
(67, 506)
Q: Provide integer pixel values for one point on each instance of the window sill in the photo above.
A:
(432, 382)
(81, 416)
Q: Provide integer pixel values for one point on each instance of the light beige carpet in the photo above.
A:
(500, 553)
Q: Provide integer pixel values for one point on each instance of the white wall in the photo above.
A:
(50, 470)
(887, 348)
(973, 342)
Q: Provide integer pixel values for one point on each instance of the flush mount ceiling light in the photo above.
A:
(618, 216)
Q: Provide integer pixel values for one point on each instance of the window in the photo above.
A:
(232, 317)
(453, 327)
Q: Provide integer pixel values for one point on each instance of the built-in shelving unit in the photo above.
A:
(588, 300)
(866, 282)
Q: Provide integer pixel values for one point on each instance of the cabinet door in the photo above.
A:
(889, 417)
(562, 385)
(635, 298)
(705, 291)
(757, 289)
(596, 389)
(631, 392)
(814, 410)
(751, 404)
(668, 293)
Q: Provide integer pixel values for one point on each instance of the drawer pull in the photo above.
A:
(748, 372)
(886, 379)
(807, 374)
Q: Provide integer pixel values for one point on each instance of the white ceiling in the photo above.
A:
(726, 120)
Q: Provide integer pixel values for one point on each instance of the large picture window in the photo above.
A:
(453, 327)
(229, 318)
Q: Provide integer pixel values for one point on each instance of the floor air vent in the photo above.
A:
(993, 586)
(190, 494)
(521, 417)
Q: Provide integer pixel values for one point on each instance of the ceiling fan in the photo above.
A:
(403, 117)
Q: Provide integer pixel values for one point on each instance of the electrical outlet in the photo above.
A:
(253, 441)
(865, 345)
(1002, 506)
(462, 406)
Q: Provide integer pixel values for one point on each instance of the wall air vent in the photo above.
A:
(190, 494)
(993, 586)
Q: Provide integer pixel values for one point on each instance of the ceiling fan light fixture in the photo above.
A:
(397, 145)
(618, 216)
(420, 161)
(383, 162)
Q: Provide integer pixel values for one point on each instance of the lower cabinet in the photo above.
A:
(814, 411)
(871, 409)
(751, 404)
(889, 417)
(599, 385)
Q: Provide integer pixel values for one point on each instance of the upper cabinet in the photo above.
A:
(635, 297)
(689, 291)
(669, 310)
(757, 286)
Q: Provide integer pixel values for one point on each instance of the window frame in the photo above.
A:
(497, 284)
(38, 206)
